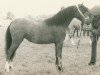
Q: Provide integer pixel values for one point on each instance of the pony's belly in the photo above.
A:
(47, 39)
(42, 42)
(43, 39)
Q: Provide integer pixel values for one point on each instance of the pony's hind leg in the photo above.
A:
(74, 32)
(11, 52)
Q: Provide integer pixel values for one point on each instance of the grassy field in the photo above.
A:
(36, 59)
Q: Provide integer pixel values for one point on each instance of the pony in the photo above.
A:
(73, 27)
(51, 30)
(84, 29)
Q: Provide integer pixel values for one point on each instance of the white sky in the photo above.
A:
(38, 7)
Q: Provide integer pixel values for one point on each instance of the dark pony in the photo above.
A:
(51, 30)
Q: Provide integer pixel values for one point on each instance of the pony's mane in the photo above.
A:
(61, 17)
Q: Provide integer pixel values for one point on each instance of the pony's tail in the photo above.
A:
(8, 39)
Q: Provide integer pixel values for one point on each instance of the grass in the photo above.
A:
(35, 59)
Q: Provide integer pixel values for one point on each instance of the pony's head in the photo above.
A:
(82, 8)
(82, 14)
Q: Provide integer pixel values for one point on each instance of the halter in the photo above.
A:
(81, 25)
(81, 13)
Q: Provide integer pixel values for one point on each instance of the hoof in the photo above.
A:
(92, 63)
(59, 68)
(8, 67)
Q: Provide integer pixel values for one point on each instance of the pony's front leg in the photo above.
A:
(58, 54)
(94, 50)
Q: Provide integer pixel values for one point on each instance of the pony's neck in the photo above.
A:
(63, 17)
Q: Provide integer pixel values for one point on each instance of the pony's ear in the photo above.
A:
(62, 7)
(82, 4)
